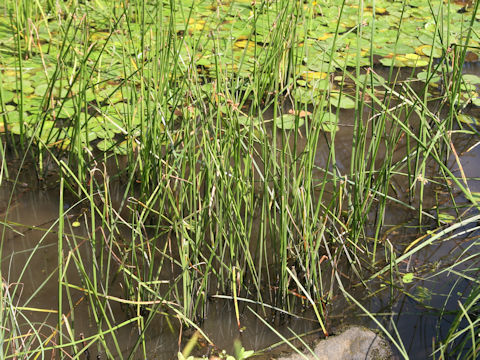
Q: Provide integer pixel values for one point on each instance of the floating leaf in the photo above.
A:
(106, 144)
(121, 149)
(327, 120)
(319, 85)
(471, 78)
(99, 35)
(424, 75)
(288, 122)
(302, 95)
(367, 79)
(397, 61)
(242, 44)
(244, 120)
(41, 89)
(417, 63)
(7, 96)
(63, 144)
(342, 101)
(325, 36)
(467, 119)
(28, 90)
(15, 129)
(103, 133)
(412, 56)
(476, 101)
(248, 120)
(313, 75)
(88, 137)
(300, 113)
(13, 117)
(426, 50)
(467, 87)
(407, 278)
(317, 64)
(76, 224)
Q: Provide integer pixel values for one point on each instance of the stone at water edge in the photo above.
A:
(355, 343)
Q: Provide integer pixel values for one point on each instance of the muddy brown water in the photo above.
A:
(417, 318)
(37, 210)
(31, 213)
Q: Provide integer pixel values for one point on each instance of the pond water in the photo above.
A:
(30, 214)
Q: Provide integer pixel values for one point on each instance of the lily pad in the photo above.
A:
(342, 101)
(374, 79)
(424, 75)
(15, 128)
(427, 50)
(121, 148)
(328, 121)
(407, 278)
(467, 87)
(248, 120)
(13, 117)
(471, 78)
(313, 75)
(476, 101)
(288, 122)
(467, 119)
(106, 144)
(319, 85)
(7, 96)
(397, 61)
(303, 95)
(41, 89)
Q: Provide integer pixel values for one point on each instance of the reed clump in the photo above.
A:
(248, 150)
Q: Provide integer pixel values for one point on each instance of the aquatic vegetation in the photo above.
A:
(247, 149)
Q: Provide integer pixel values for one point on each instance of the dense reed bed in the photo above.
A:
(243, 149)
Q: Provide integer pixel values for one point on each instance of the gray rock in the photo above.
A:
(355, 343)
